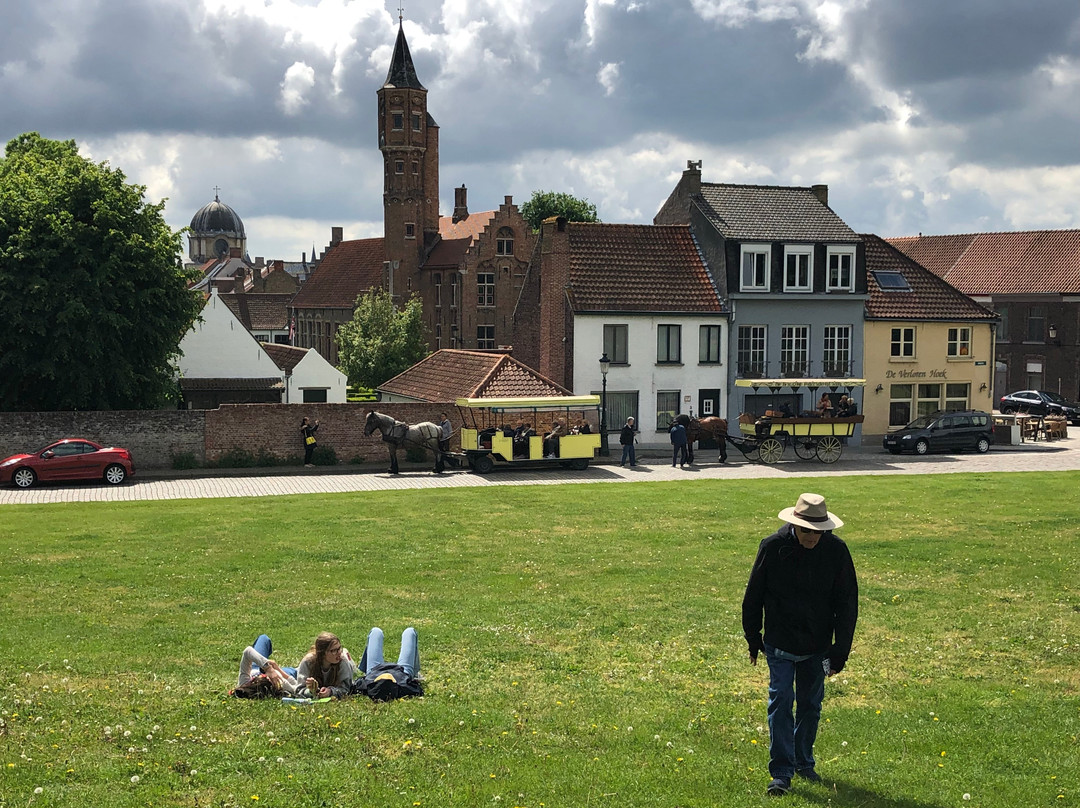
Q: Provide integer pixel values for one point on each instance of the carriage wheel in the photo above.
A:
(771, 450)
(483, 464)
(829, 449)
(806, 448)
(754, 455)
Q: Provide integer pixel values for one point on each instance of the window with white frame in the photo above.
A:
(485, 289)
(485, 336)
(959, 342)
(798, 268)
(755, 268)
(836, 359)
(615, 337)
(794, 351)
(750, 356)
(437, 280)
(841, 274)
(957, 396)
(928, 399)
(900, 404)
(902, 343)
(709, 345)
(667, 407)
(668, 344)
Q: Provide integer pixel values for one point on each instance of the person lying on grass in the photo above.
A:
(325, 671)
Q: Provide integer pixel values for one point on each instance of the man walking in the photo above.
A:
(678, 444)
(626, 438)
(803, 580)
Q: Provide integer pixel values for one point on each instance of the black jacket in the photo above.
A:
(810, 598)
(626, 437)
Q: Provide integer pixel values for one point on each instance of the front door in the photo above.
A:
(708, 406)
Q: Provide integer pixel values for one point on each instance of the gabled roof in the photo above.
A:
(347, 271)
(456, 238)
(261, 311)
(927, 297)
(638, 268)
(286, 357)
(449, 374)
(1023, 262)
(772, 213)
(220, 269)
(402, 73)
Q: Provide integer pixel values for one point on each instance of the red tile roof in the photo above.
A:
(449, 374)
(1023, 262)
(638, 267)
(348, 270)
(456, 238)
(928, 296)
(286, 357)
(259, 311)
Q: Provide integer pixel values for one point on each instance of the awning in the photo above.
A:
(776, 385)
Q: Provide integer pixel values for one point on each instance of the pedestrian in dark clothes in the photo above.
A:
(308, 430)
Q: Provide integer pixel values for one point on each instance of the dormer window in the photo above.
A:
(798, 268)
(755, 268)
(841, 272)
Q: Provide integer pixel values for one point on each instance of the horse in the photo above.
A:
(397, 434)
(710, 427)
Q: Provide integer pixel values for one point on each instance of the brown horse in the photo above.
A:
(710, 427)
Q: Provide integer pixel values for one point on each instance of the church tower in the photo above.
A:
(409, 142)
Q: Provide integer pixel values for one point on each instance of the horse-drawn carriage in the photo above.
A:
(511, 431)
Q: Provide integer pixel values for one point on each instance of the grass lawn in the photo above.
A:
(581, 646)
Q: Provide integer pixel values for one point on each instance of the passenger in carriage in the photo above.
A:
(521, 439)
(847, 407)
(581, 428)
(824, 406)
(551, 439)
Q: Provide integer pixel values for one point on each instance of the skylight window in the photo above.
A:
(890, 281)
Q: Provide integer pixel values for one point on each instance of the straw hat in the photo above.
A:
(810, 512)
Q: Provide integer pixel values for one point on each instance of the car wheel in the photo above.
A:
(921, 446)
(24, 478)
(1008, 409)
(982, 446)
(115, 474)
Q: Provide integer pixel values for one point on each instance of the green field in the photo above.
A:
(581, 646)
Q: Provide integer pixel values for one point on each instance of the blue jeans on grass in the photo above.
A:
(265, 647)
(793, 681)
(409, 658)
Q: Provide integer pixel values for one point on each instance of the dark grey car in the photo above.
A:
(944, 432)
(1040, 402)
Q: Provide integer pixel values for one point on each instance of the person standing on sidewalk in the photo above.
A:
(446, 429)
(307, 431)
(803, 580)
(626, 438)
(678, 445)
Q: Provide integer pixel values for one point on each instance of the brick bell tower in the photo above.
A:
(409, 142)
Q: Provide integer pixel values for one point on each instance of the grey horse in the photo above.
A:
(397, 434)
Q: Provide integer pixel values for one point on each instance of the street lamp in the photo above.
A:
(605, 366)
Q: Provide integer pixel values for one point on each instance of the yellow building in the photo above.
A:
(927, 346)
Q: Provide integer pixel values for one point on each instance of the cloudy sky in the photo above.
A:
(934, 116)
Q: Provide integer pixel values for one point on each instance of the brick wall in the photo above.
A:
(155, 437)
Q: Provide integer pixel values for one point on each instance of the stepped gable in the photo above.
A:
(1013, 263)
(456, 238)
(638, 267)
(346, 271)
(772, 213)
(450, 374)
(928, 298)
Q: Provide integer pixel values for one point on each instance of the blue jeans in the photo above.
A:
(265, 647)
(678, 454)
(793, 680)
(409, 658)
(628, 451)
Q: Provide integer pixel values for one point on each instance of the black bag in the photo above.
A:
(387, 682)
(257, 687)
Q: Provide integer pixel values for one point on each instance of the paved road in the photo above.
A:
(1059, 455)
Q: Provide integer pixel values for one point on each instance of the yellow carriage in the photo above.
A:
(493, 431)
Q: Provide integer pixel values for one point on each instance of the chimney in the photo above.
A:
(822, 193)
(259, 262)
(461, 204)
(508, 200)
(692, 176)
(234, 252)
(335, 236)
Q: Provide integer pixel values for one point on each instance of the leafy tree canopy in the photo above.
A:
(381, 340)
(545, 204)
(92, 299)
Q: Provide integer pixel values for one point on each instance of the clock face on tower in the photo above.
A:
(221, 247)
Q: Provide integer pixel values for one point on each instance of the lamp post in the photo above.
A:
(605, 365)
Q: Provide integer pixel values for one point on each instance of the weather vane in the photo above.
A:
(216, 189)
(400, 12)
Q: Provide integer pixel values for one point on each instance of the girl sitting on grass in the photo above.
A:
(326, 669)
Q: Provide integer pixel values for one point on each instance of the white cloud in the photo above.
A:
(299, 78)
(609, 77)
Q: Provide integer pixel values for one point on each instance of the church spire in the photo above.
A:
(402, 73)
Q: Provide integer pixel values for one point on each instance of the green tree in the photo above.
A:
(381, 340)
(92, 299)
(545, 204)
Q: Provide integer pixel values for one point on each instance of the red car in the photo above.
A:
(68, 459)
